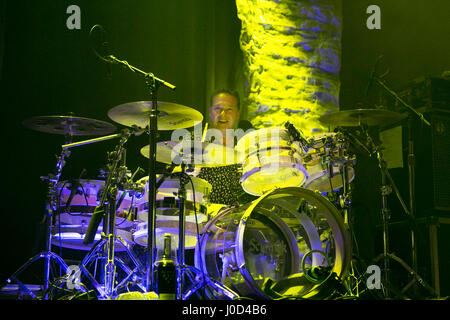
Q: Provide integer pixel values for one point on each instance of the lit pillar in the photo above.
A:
(292, 53)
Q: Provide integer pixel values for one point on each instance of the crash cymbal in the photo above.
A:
(171, 116)
(199, 155)
(69, 125)
(357, 117)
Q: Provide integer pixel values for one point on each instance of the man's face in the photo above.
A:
(224, 111)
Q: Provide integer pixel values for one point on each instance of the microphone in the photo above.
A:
(97, 216)
(296, 134)
(245, 125)
(100, 42)
(74, 187)
(319, 273)
(372, 75)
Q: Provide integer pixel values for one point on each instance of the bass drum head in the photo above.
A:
(266, 249)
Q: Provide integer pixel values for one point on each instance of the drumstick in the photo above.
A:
(204, 132)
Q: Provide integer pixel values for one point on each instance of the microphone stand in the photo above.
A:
(153, 83)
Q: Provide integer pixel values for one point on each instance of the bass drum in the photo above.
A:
(267, 248)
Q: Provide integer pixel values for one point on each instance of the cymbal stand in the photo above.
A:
(344, 203)
(345, 198)
(411, 161)
(386, 190)
(47, 254)
(181, 232)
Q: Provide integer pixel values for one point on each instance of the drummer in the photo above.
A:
(224, 112)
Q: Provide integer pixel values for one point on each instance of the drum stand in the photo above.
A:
(345, 198)
(105, 247)
(411, 170)
(47, 255)
(187, 271)
(105, 250)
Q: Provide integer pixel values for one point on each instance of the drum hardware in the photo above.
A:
(297, 135)
(168, 117)
(108, 205)
(413, 113)
(387, 187)
(197, 277)
(327, 158)
(411, 163)
(176, 201)
(47, 254)
(183, 270)
(106, 210)
(146, 114)
(68, 126)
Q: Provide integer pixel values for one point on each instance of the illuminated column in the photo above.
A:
(292, 53)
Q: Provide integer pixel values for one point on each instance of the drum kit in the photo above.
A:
(289, 241)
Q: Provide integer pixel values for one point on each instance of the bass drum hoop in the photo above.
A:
(342, 243)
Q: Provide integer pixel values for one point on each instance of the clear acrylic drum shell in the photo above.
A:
(72, 222)
(83, 203)
(270, 159)
(207, 254)
(72, 236)
(318, 178)
(170, 225)
(171, 186)
(167, 209)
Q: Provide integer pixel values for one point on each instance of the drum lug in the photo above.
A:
(386, 190)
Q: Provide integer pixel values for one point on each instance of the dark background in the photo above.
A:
(47, 69)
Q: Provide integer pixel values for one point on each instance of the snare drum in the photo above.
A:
(264, 249)
(325, 163)
(270, 159)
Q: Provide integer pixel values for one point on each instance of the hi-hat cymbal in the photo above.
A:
(200, 155)
(357, 117)
(171, 116)
(69, 125)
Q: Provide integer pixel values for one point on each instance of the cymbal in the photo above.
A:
(171, 116)
(69, 125)
(357, 117)
(203, 155)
